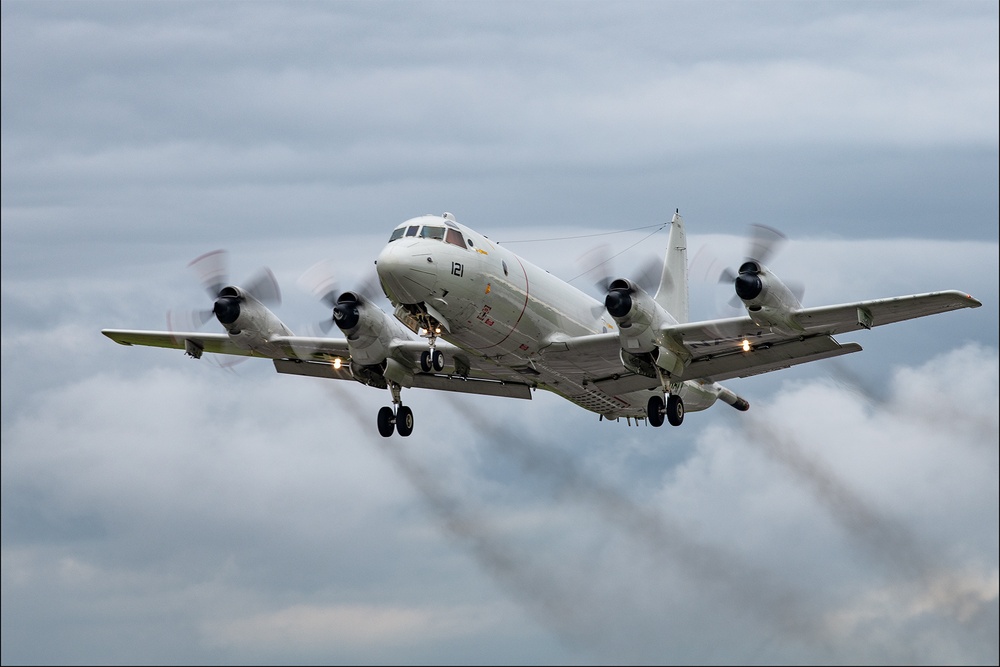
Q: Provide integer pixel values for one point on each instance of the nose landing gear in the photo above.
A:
(431, 360)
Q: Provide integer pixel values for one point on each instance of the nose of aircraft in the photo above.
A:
(407, 271)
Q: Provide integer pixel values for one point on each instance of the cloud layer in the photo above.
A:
(157, 509)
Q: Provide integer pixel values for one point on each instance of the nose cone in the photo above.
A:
(407, 271)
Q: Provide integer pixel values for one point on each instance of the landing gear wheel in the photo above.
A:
(654, 411)
(431, 360)
(404, 421)
(386, 422)
(675, 410)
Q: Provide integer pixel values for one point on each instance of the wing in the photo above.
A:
(195, 343)
(313, 357)
(594, 360)
(465, 373)
(715, 349)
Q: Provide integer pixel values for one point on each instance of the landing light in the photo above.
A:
(746, 345)
(337, 363)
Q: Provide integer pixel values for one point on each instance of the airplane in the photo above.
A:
(471, 316)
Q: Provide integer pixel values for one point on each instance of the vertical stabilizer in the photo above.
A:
(673, 291)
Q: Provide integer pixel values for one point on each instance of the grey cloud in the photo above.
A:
(160, 508)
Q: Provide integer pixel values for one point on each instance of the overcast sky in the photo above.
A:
(162, 510)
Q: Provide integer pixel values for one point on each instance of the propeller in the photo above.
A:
(212, 271)
(597, 266)
(321, 281)
(763, 243)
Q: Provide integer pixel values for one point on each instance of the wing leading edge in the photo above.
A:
(193, 342)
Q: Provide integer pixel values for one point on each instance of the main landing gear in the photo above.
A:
(673, 410)
(397, 418)
(400, 420)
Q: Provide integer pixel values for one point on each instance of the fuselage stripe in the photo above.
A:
(524, 308)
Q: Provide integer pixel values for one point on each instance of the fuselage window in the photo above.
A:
(455, 237)
(504, 264)
(432, 232)
(412, 230)
(397, 233)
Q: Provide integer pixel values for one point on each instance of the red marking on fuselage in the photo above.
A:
(524, 307)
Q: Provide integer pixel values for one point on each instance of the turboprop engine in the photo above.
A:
(242, 311)
(365, 326)
(769, 302)
(640, 321)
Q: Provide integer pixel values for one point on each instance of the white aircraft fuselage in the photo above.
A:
(487, 300)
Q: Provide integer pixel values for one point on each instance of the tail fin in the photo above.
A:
(672, 294)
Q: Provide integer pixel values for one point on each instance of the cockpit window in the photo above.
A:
(429, 232)
(435, 232)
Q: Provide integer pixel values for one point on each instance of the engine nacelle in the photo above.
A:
(249, 323)
(636, 313)
(769, 302)
(369, 331)
(640, 323)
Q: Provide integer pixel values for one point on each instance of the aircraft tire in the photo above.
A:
(675, 410)
(404, 421)
(437, 360)
(425, 361)
(654, 411)
(385, 422)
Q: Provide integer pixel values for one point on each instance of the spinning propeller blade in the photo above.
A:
(212, 271)
(320, 280)
(597, 265)
(762, 244)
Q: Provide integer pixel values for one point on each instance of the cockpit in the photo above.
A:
(430, 230)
